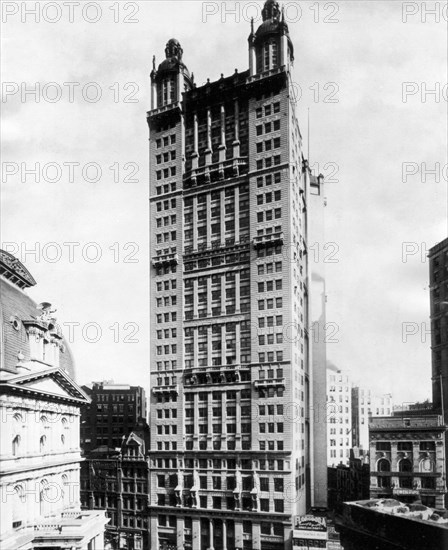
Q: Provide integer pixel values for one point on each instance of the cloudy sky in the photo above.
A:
(89, 140)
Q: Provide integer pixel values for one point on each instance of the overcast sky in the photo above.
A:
(356, 53)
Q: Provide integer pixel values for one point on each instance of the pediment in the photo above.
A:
(52, 382)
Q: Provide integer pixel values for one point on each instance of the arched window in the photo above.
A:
(43, 499)
(42, 443)
(383, 465)
(63, 439)
(427, 465)
(405, 465)
(15, 445)
(17, 506)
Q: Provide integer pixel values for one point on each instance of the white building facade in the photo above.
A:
(39, 411)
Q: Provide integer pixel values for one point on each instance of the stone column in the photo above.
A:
(256, 536)
(222, 146)
(196, 532)
(209, 219)
(237, 214)
(196, 420)
(236, 143)
(180, 538)
(211, 533)
(238, 420)
(208, 151)
(195, 154)
(224, 534)
(195, 222)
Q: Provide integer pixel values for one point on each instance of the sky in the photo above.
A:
(373, 75)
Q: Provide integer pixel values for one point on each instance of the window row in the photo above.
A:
(166, 301)
(168, 188)
(165, 445)
(270, 356)
(229, 276)
(267, 180)
(269, 251)
(270, 303)
(266, 198)
(268, 215)
(166, 285)
(267, 110)
(166, 173)
(268, 145)
(167, 333)
(218, 260)
(267, 127)
(217, 395)
(165, 205)
(269, 321)
(167, 429)
(167, 365)
(166, 157)
(166, 317)
(269, 268)
(269, 286)
(229, 192)
(167, 140)
(167, 220)
(268, 162)
(166, 237)
(167, 350)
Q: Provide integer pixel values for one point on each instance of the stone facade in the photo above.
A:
(407, 458)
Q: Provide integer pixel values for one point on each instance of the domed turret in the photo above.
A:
(270, 47)
(30, 339)
(171, 78)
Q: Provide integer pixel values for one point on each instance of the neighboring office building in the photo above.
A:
(118, 481)
(366, 403)
(113, 412)
(229, 223)
(407, 457)
(347, 483)
(40, 410)
(438, 267)
(339, 415)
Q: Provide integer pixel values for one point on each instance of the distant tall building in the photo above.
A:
(231, 363)
(366, 403)
(339, 416)
(113, 412)
(39, 409)
(438, 276)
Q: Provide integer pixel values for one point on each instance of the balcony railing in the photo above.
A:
(269, 382)
(165, 259)
(164, 109)
(210, 172)
(265, 74)
(170, 388)
(269, 239)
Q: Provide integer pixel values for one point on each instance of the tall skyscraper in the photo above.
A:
(231, 364)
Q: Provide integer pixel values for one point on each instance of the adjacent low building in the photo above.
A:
(407, 457)
(387, 524)
(118, 481)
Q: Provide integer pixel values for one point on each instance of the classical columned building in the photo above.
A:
(39, 410)
(234, 452)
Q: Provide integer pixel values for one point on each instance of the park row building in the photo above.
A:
(235, 452)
